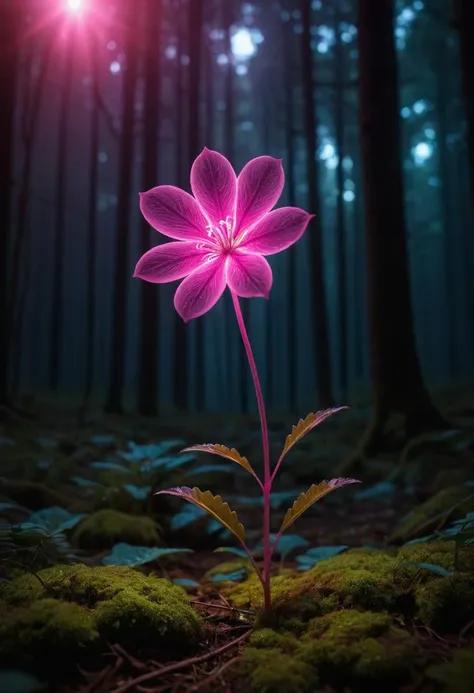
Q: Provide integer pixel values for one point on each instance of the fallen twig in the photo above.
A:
(172, 668)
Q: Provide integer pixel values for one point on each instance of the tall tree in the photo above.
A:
(464, 21)
(114, 401)
(59, 232)
(10, 30)
(195, 34)
(289, 96)
(93, 191)
(318, 289)
(339, 126)
(397, 380)
(149, 318)
(181, 331)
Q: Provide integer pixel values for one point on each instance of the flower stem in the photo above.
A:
(267, 480)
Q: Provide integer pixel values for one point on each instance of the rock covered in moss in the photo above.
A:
(104, 528)
(118, 604)
(446, 604)
(422, 519)
(46, 632)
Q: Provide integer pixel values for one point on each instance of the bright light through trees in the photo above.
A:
(243, 45)
(421, 152)
(75, 6)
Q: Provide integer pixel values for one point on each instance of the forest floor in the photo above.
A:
(105, 587)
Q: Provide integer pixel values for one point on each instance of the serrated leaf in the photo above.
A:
(306, 425)
(432, 568)
(214, 505)
(127, 555)
(223, 451)
(313, 494)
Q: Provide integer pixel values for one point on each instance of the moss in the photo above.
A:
(273, 671)
(425, 516)
(349, 625)
(136, 620)
(267, 638)
(104, 528)
(360, 650)
(439, 553)
(45, 633)
(446, 604)
(361, 578)
(87, 586)
(122, 604)
(455, 676)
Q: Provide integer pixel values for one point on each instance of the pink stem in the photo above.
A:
(267, 481)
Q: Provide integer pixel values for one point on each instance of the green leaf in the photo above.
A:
(223, 451)
(127, 555)
(313, 494)
(214, 505)
(234, 576)
(304, 426)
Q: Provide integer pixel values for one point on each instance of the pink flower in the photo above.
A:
(223, 232)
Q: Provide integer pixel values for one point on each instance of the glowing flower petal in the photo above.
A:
(174, 213)
(277, 231)
(169, 261)
(201, 290)
(259, 187)
(214, 185)
(248, 275)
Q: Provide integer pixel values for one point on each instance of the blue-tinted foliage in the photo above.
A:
(138, 492)
(13, 681)
(102, 439)
(383, 489)
(316, 555)
(185, 582)
(110, 466)
(231, 549)
(432, 568)
(127, 555)
(234, 576)
(54, 519)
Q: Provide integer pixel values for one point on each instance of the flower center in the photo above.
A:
(220, 236)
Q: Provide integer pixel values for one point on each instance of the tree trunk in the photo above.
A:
(114, 403)
(55, 353)
(397, 380)
(464, 22)
(289, 76)
(319, 318)
(180, 332)
(10, 29)
(339, 105)
(149, 317)
(195, 17)
(92, 225)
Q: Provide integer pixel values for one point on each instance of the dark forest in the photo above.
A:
(250, 223)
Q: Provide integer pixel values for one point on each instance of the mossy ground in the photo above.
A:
(365, 621)
(66, 609)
